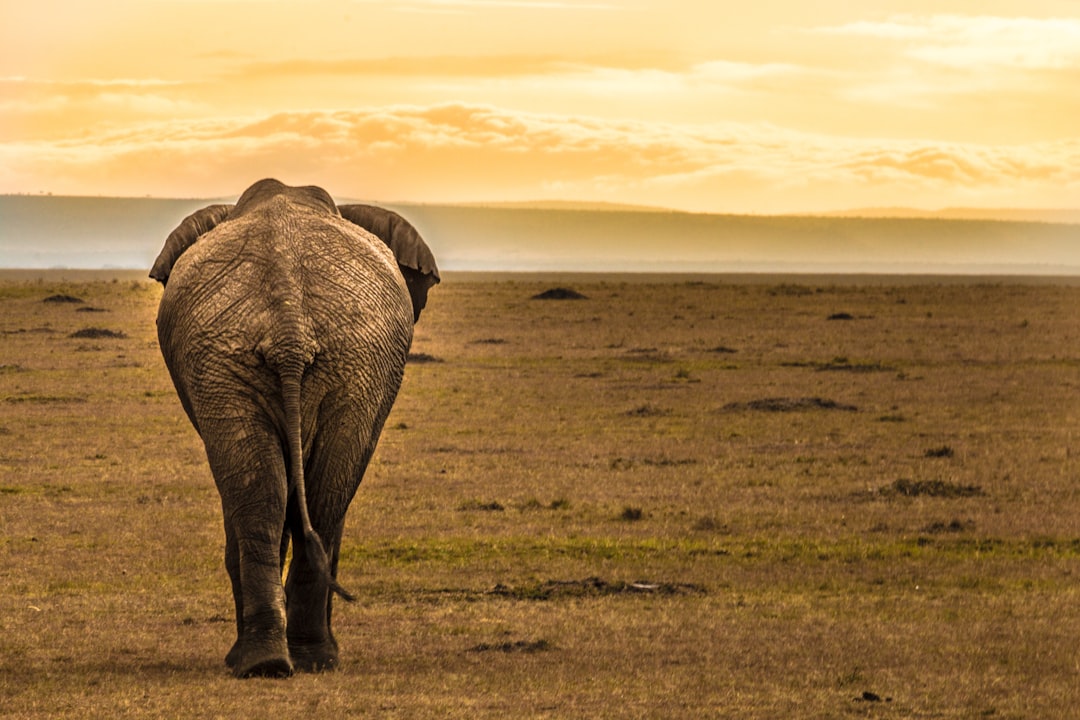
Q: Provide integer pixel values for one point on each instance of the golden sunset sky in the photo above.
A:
(764, 106)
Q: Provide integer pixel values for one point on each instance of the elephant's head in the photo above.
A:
(263, 191)
(414, 258)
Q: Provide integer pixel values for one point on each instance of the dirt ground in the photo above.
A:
(669, 497)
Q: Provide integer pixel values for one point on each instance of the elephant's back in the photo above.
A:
(290, 279)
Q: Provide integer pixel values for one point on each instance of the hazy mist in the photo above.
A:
(71, 232)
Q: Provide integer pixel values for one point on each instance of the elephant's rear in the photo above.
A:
(289, 294)
(286, 287)
(362, 336)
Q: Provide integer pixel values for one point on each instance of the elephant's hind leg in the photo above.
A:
(250, 474)
(335, 467)
(312, 646)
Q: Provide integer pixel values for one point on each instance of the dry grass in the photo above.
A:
(663, 500)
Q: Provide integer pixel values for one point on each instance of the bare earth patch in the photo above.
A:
(559, 293)
(786, 404)
(94, 333)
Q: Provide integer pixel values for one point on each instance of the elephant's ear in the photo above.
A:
(414, 257)
(184, 236)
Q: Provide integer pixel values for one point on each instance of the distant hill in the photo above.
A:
(46, 231)
(611, 240)
(41, 231)
(565, 205)
(1051, 215)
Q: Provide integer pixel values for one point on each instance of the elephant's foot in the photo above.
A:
(253, 661)
(276, 667)
(233, 658)
(271, 666)
(314, 658)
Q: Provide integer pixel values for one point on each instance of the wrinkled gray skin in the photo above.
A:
(285, 328)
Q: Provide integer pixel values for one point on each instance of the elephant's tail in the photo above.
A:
(312, 543)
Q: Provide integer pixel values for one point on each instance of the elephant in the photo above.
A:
(285, 322)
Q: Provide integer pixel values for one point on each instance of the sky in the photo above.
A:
(773, 106)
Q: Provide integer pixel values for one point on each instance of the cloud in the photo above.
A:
(600, 67)
(582, 83)
(658, 79)
(461, 152)
(978, 42)
(972, 73)
(88, 99)
(958, 166)
(431, 66)
(460, 6)
(84, 90)
(89, 83)
(728, 71)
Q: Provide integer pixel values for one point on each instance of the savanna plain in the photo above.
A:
(672, 497)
